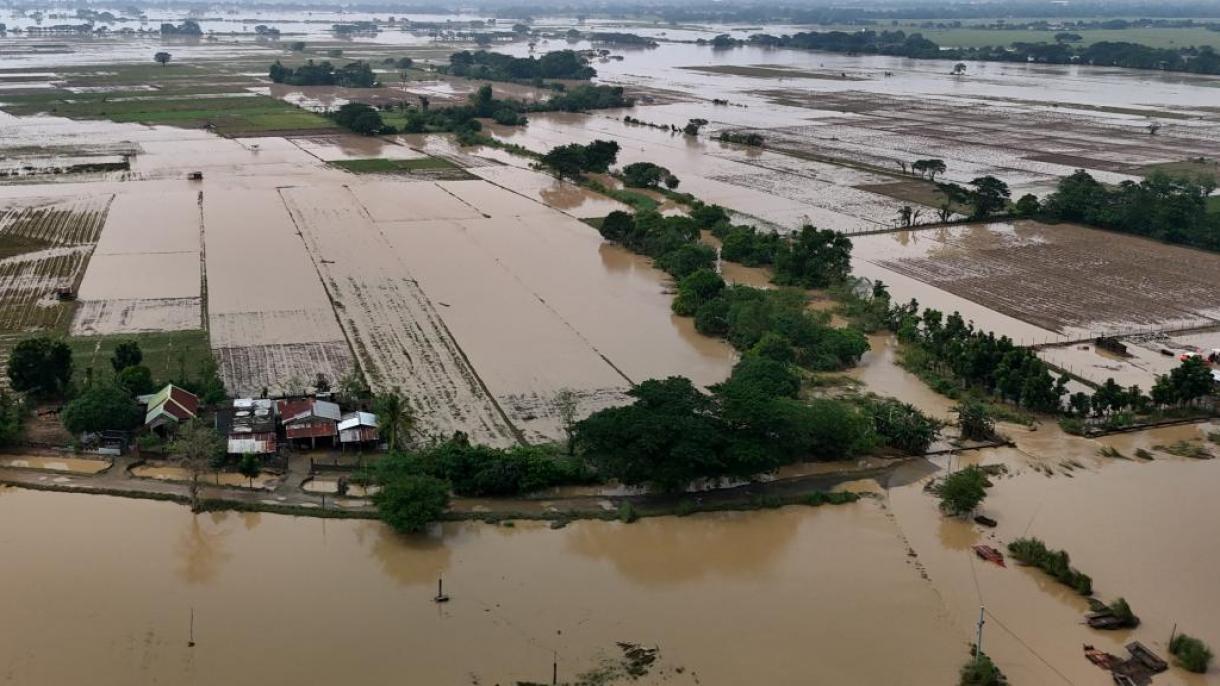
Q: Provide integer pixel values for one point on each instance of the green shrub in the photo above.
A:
(478, 470)
(1192, 654)
(1120, 609)
(963, 490)
(1056, 563)
(627, 513)
(981, 672)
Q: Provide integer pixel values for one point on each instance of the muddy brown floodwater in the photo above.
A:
(729, 599)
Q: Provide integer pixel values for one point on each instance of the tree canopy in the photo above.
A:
(351, 75)
(409, 503)
(41, 366)
(102, 407)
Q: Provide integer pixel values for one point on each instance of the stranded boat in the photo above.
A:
(990, 554)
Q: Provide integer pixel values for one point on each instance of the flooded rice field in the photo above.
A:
(44, 246)
(1047, 284)
(140, 280)
(170, 472)
(75, 465)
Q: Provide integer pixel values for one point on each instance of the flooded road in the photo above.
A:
(290, 600)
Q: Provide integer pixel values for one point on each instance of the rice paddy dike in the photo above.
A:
(476, 285)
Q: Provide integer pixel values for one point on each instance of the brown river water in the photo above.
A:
(296, 600)
(882, 591)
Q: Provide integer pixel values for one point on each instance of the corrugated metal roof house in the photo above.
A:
(170, 405)
(358, 427)
(309, 418)
(251, 427)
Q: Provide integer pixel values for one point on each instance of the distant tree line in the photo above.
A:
(463, 119)
(613, 38)
(189, 27)
(928, 12)
(352, 75)
(898, 43)
(494, 66)
(1162, 207)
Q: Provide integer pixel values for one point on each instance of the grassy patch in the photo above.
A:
(389, 166)
(167, 354)
(1192, 168)
(917, 191)
(1186, 449)
(224, 115)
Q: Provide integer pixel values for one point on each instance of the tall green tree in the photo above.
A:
(126, 354)
(990, 195)
(669, 436)
(814, 258)
(41, 366)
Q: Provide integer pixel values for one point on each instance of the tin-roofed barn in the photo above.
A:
(309, 419)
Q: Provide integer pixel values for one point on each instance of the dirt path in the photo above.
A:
(288, 496)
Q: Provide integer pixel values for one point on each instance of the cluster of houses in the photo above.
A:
(261, 426)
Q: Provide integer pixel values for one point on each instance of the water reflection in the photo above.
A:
(201, 549)
(666, 551)
(407, 560)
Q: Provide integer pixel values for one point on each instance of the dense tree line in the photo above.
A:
(748, 317)
(1165, 208)
(954, 347)
(482, 471)
(463, 119)
(494, 66)
(574, 159)
(351, 75)
(898, 43)
(867, 15)
(755, 421)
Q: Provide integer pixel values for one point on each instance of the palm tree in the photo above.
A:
(394, 416)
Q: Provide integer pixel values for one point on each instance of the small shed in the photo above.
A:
(358, 428)
(309, 418)
(170, 405)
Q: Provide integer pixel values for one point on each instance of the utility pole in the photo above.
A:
(978, 642)
(190, 643)
(555, 668)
